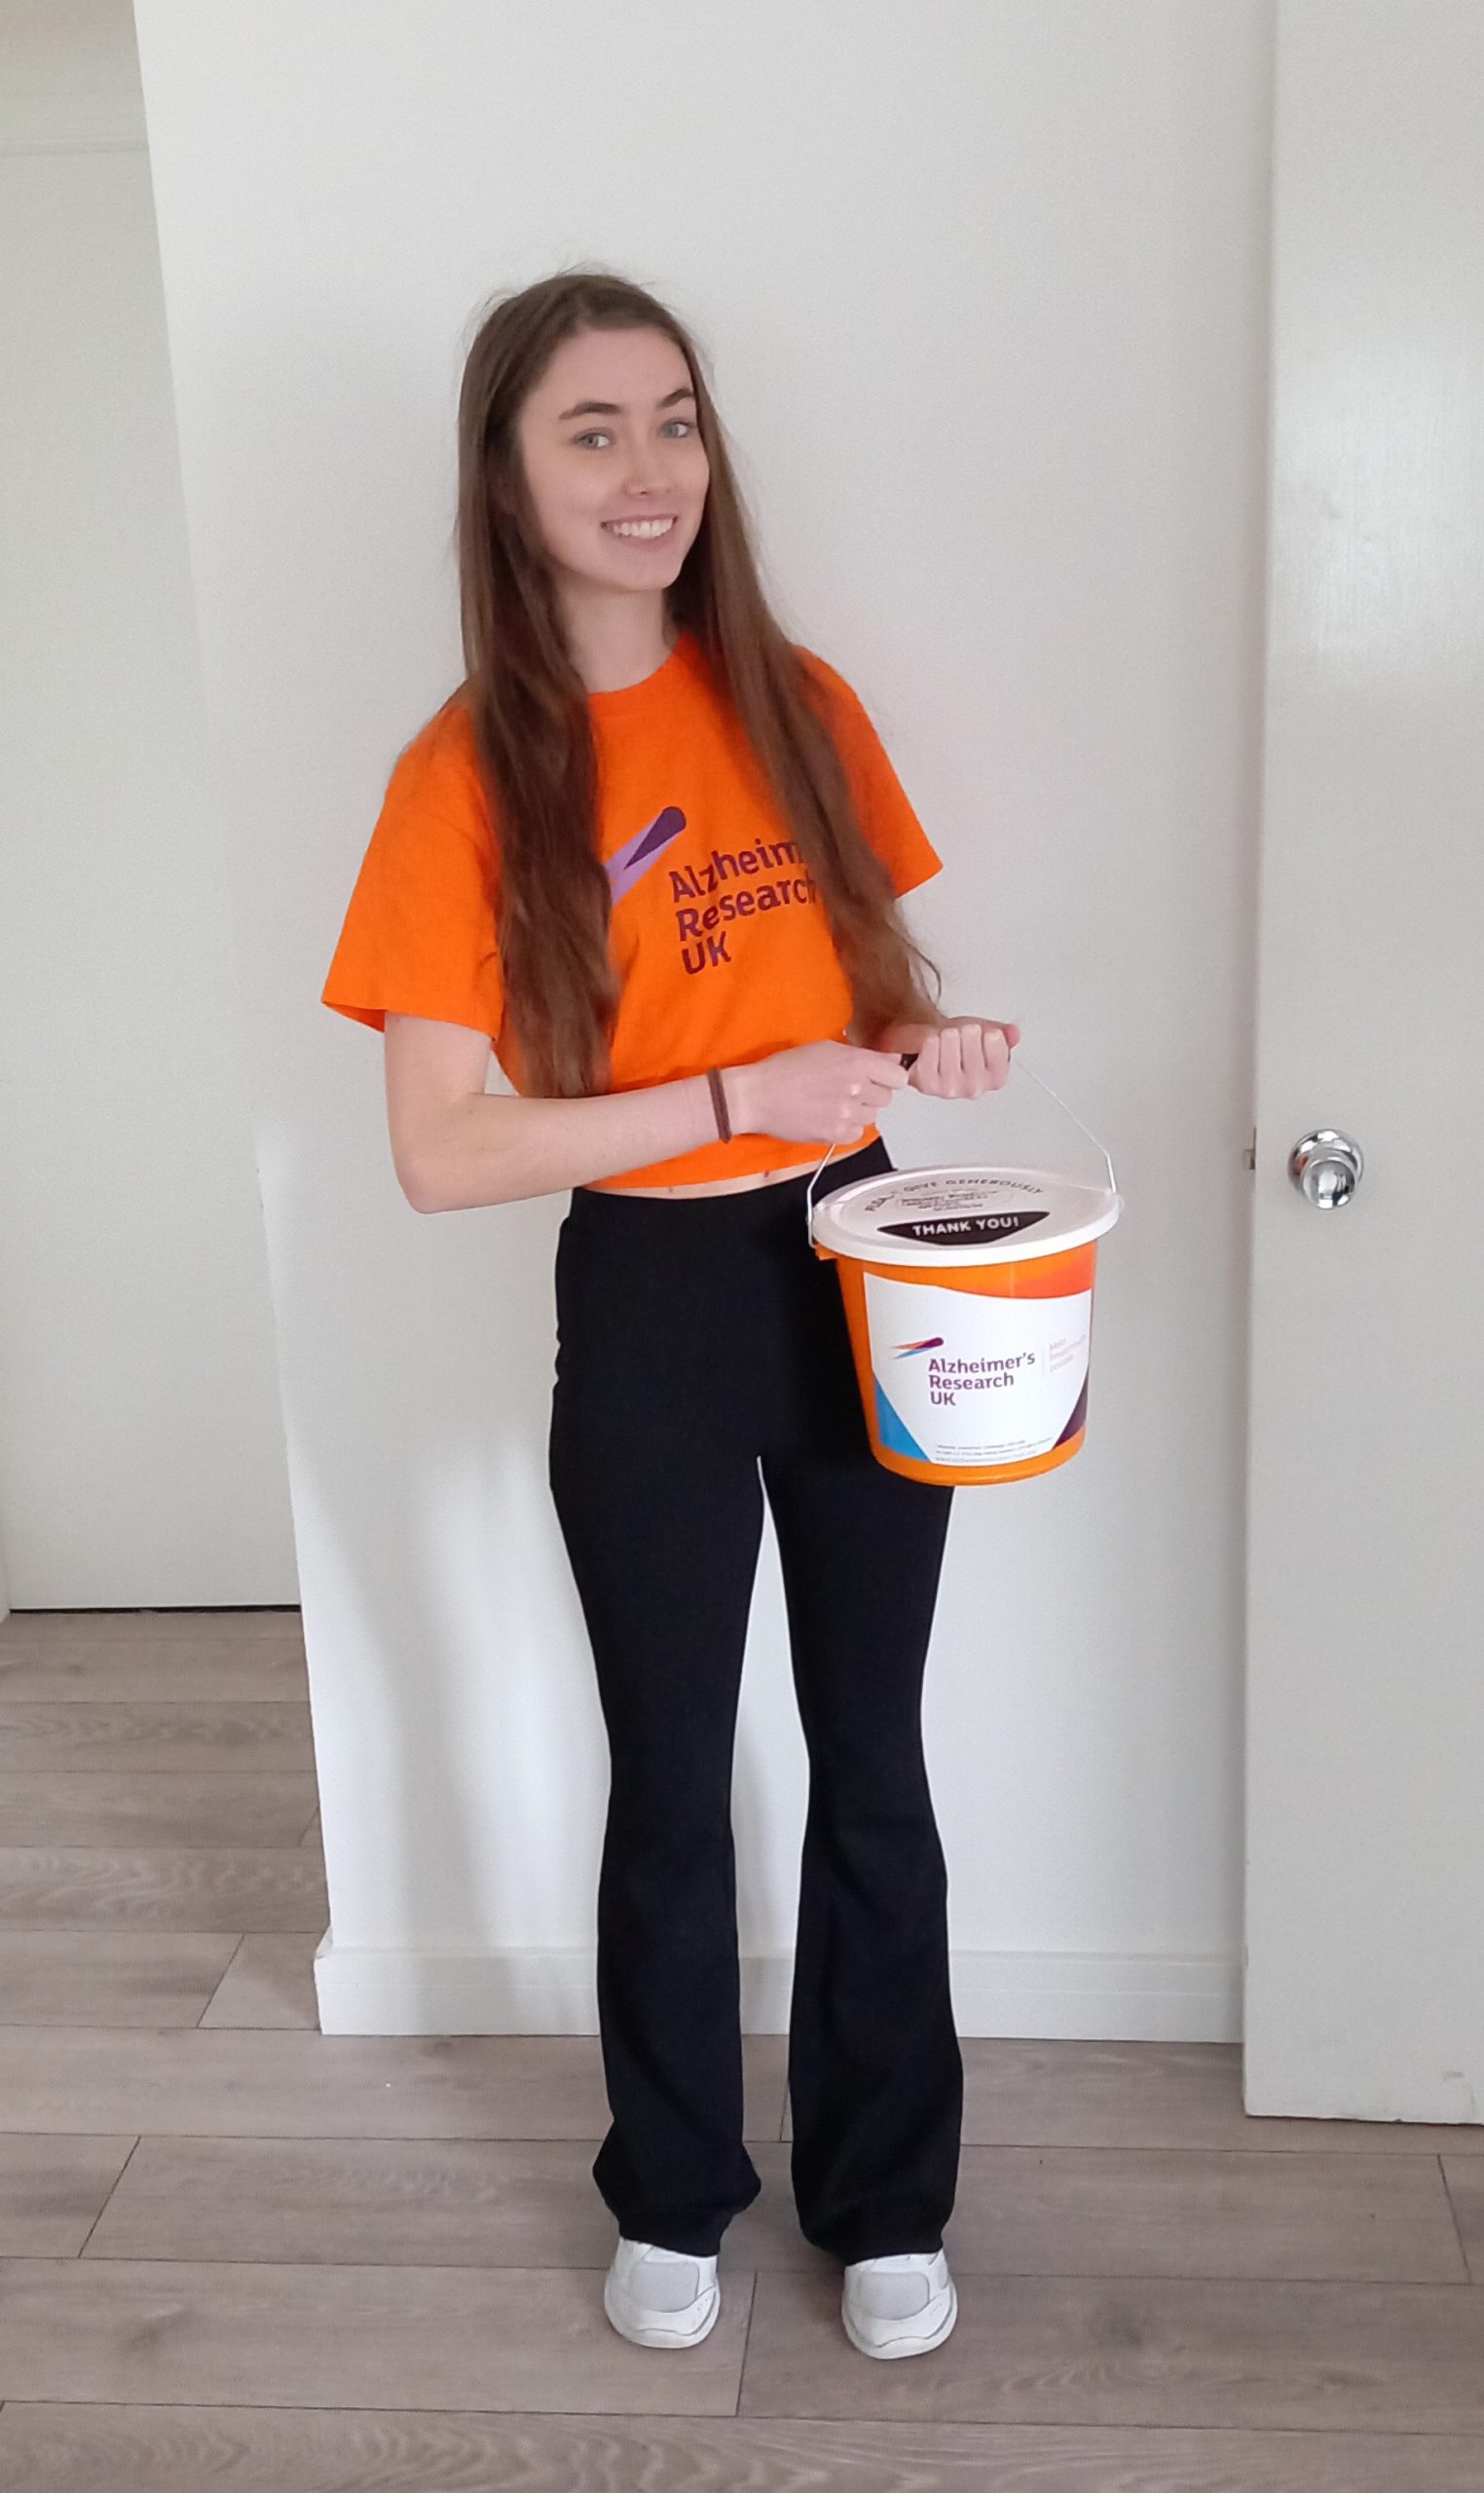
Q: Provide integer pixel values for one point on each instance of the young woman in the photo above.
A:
(650, 852)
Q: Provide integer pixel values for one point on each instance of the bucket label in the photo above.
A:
(966, 1381)
(963, 1229)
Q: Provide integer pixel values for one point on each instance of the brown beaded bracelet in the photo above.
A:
(719, 1102)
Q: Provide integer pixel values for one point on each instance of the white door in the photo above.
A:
(1365, 1760)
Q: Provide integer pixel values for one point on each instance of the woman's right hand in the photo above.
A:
(827, 1091)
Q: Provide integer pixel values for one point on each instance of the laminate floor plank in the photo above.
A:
(523, 2202)
(1066, 2092)
(269, 1982)
(1464, 2178)
(207, 1669)
(167, 2332)
(115, 1976)
(233, 1887)
(255, 2084)
(184, 1807)
(128, 2448)
(52, 2191)
(244, 1633)
(139, 1737)
(532, 2203)
(1148, 2351)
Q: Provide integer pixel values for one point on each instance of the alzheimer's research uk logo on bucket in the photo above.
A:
(1004, 1382)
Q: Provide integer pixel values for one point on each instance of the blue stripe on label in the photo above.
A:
(891, 1430)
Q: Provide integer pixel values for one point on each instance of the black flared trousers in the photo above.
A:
(703, 1360)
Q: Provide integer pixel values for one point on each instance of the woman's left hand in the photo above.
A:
(963, 1057)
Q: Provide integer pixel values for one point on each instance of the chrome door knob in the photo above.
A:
(1327, 1167)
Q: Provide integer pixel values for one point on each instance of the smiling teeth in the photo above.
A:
(639, 526)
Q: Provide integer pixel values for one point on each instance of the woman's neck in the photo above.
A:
(619, 646)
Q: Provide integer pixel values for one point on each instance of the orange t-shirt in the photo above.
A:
(717, 930)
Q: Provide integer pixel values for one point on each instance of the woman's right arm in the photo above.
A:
(456, 1146)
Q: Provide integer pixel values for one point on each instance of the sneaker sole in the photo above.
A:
(896, 2346)
(666, 2333)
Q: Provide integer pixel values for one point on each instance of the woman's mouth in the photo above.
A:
(641, 532)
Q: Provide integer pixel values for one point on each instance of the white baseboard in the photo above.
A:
(552, 1991)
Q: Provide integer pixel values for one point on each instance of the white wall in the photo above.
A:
(141, 1439)
(983, 290)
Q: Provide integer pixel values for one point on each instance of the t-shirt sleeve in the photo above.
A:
(886, 815)
(419, 934)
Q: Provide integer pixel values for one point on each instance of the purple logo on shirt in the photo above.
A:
(637, 855)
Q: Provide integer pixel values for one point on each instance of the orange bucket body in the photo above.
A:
(969, 1298)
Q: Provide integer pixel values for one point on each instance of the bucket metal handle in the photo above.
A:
(1017, 1059)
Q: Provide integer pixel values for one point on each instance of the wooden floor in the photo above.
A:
(237, 2252)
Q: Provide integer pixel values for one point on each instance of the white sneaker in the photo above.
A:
(658, 2297)
(902, 2304)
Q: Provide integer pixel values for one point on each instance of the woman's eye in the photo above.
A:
(579, 439)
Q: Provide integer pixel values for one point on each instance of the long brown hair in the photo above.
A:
(533, 731)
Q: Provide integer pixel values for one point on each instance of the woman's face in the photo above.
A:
(609, 433)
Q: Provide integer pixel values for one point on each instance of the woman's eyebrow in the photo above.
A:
(605, 407)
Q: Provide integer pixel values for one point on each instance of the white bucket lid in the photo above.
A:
(962, 1216)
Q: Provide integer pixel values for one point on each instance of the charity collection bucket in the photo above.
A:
(968, 1292)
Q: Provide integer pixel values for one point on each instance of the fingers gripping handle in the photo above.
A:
(1016, 1060)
